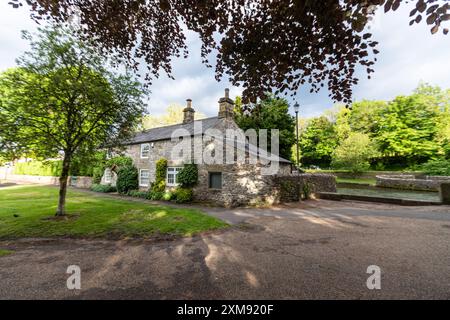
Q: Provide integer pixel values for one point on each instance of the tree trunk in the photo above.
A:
(63, 186)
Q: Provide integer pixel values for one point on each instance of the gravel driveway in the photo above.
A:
(319, 249)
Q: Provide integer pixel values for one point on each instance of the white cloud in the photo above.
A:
(12, 22)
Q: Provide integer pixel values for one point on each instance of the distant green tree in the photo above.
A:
(407, 129)
(173, 115)
(354, 153)
(317, 142)
(364, 116)
(270, 113)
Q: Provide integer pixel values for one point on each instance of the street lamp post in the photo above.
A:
(296, 109)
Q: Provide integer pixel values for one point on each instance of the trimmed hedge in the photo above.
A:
(39, 168)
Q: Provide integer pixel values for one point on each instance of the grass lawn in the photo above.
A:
(356, 180)
(4, 252)
(28, 211)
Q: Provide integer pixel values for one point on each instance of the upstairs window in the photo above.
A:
(172, 173)
(215, 180)
(145, 150)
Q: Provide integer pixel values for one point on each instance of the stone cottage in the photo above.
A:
(250, 176)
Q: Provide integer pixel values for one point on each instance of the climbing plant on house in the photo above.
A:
(188, 176)
(160, 176)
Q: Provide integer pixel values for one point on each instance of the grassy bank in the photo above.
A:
(357, 180)
(28, 211)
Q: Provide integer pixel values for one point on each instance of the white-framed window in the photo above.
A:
(145, 150)
(144, 177)
(172, 173)
(108, 175)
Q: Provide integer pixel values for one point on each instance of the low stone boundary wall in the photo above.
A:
(290, 188)
(444, 192)
(79, 182)
(367, 174)
(411, 182)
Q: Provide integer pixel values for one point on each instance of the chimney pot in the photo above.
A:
(226, 106)
(188, 112)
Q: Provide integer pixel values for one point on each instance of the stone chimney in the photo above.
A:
(188, 112)
(226, 106)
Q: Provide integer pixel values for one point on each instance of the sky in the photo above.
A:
(408, 55)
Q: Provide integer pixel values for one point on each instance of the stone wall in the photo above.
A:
(242, 184)
(411, 182)
(290, 188)
(158, 150)
(444, 193)
(80, 182)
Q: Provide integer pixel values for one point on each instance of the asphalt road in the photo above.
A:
(316, 250)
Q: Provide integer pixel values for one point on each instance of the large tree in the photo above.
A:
(261, 44)
(63, 101)
(270, 113)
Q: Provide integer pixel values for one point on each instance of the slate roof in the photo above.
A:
(165, 133)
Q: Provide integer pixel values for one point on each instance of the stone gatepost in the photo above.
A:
(444, 193)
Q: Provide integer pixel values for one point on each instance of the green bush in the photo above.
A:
(188, 176)
(127, 179)
(39, 168)
(307, 190)
(103, 188)
(155, 195)
(158, 186)
(183, 195)
(137, 194)
(439, 167)
(168, 195)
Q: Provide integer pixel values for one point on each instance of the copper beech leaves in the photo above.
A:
(435, 12)
(263, 45)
